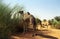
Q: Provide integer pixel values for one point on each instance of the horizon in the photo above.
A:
(42, 9)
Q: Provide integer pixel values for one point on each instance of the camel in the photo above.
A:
(28, 19)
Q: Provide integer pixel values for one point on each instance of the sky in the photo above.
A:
(42, 9)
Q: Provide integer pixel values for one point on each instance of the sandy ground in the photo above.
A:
(44, 33)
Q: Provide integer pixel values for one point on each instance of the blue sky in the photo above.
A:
(43, 9)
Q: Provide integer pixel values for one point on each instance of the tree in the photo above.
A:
(38, 21)
(54, 23)
(44, 20)
(57, 18)
(50, 22)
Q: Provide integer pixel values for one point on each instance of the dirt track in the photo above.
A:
(42, 34)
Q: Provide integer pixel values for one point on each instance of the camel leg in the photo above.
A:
(34, 31)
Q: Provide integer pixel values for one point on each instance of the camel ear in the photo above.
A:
(28, 13)
(21, 12)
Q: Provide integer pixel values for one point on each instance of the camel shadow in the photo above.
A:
(46, 36)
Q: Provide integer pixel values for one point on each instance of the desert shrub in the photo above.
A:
(57, 25)
(8, 26)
